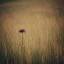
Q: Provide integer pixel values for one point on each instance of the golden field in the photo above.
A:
(43, 41)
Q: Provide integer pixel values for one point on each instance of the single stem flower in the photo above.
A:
(22, 31)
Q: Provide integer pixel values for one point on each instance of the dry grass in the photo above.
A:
(43, 40)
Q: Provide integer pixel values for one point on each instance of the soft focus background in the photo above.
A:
(43, 41)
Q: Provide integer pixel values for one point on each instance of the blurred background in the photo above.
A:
(43, 41)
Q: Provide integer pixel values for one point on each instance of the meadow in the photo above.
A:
(43, 39)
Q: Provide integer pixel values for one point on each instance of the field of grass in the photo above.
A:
(43, 41)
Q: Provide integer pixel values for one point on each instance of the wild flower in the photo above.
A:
(22, 30)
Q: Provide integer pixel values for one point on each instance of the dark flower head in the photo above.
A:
(22, 31)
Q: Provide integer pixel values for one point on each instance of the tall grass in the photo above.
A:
(44, 41)
(38, 55)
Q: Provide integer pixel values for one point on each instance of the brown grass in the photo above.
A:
(43, 40)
